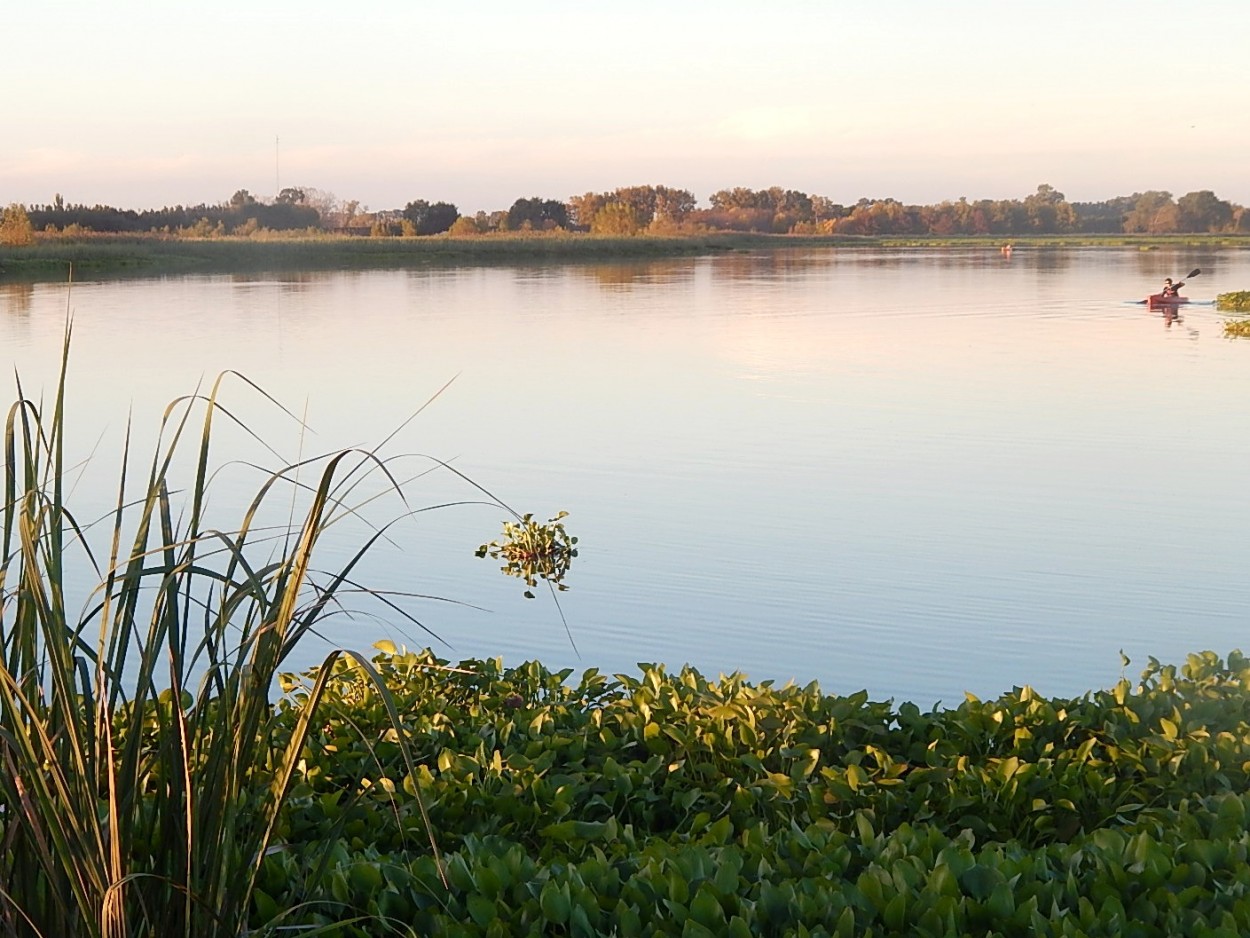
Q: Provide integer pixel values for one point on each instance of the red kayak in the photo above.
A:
(1159, 301)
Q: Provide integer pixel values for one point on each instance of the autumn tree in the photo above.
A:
(673, 204)
(738, 199)
(326, 203)
(15, 226)
(646, 205)
(616, 218)
(582, 209)
(824, 209)
(944, 219)
(773, 209)
(790, 207)
(464, 227)
(1146, 206)
(882, 216)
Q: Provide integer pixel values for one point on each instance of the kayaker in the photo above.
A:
(1168, 288)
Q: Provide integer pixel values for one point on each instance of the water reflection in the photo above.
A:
(772, 265)
(1171, 316)
(869, 468)
(1051, 260)
(1153, 265)
(624, 276)
(17, 297)
(286, 281)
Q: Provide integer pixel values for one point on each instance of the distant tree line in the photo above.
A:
(284, 213)
(633, 210)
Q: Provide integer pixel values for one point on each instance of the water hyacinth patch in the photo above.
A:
(668, 803)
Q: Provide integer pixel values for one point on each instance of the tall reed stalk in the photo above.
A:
(141, 777)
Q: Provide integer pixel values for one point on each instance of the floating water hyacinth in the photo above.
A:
(534, 550)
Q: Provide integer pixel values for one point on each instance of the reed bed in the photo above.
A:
(109, 255)
(142, 772)
(127, 256)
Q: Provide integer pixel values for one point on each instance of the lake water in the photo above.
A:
(915, 472)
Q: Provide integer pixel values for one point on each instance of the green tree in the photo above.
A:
(1107, 217)
(1048, 211)
(541, 214)
(1202, 211)
(429, 219)
(282, 216)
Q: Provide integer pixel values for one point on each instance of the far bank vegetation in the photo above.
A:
(628, 211)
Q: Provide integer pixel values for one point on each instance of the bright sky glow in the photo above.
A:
(141, 104)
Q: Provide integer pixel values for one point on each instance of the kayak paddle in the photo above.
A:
(1176, 286)
(1189, 276)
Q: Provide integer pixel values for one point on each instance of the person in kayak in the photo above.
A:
(1168, 288)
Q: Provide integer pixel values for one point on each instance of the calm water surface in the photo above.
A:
(919, 473)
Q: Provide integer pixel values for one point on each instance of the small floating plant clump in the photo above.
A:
(534, 550)
(1238, 302)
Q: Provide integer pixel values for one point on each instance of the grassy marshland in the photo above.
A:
(147, 256)
(51, 257)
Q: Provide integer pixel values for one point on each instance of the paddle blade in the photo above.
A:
(1193, 273)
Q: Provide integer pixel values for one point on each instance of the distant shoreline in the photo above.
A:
(125, 256)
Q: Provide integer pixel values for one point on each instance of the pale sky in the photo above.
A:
(142, 104)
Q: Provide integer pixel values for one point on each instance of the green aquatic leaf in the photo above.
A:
(481, 909)
(979, 881)
(555, 902)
